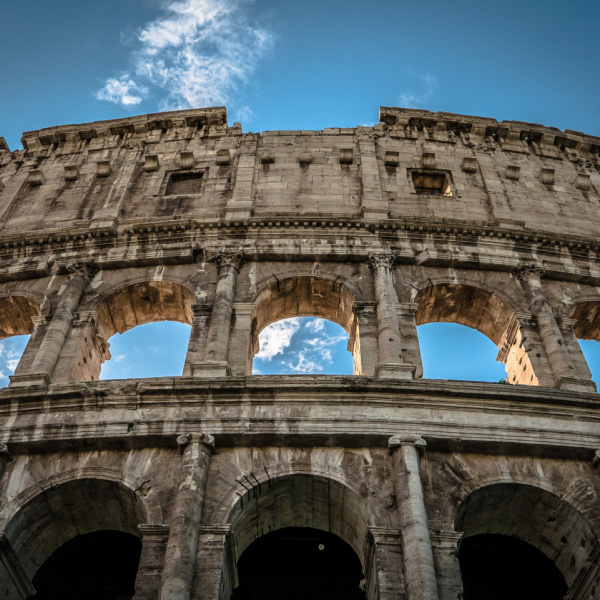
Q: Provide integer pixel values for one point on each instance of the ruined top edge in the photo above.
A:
(196, 117)
(199, 118)
(403, 117)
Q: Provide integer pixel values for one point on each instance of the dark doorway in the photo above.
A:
(296, 563)
(96, 566)
(496, 567)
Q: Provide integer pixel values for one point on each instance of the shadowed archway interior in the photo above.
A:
(297, 563)
(495, 567)
(98, 566)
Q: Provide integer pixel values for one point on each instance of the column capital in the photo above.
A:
(5, 453)
(526, 272)
(205, 439)
(227, 258)
(396, 441)
(86, 269)
(382, 259)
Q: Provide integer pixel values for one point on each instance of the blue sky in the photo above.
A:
(297, 65)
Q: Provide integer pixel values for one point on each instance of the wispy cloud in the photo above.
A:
(274, 340)
(305, 364)
(315, 325)
(197, 53)
(421, 97)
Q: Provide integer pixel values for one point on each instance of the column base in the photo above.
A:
(395, 371)
(211, 369)
(575, 385)
(29, 380)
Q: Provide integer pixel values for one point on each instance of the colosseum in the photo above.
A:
(218, 484)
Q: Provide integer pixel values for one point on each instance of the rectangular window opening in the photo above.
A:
(184, 183)
(431, 182)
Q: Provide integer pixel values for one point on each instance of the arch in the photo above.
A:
(320, 296)
(300, 499)
(117, 311)
(533, 514)
(586, 314)
(16, 314)
(487, 311)
(143, 301)
(58, 513)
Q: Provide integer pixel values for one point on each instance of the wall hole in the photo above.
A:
(303, 345)
(151, 350)
(297, 563)
(11, 350)
(453, 351)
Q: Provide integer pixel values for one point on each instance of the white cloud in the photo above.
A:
(119, 358)
(305, 365)
(196, 54)
(275, 338)
(420, 98)
(123, 90)
(315, 325)
(11, 364)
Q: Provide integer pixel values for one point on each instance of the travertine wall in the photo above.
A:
(421, 218)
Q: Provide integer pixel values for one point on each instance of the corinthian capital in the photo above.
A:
(227, 258)
(527, 272)
(382, 259)
(86, 269)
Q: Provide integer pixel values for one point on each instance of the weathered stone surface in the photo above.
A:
(424, 217)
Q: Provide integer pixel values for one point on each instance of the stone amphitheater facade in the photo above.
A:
(424, 217)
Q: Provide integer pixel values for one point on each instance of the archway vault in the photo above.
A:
(306, 296)
(534, 515)
(486, 312)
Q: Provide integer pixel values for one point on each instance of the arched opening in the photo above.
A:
(149, 350)
(297, 563)
(305, 296)
(58, 519)
(303, 345)
(16, 327)
(301, 507)
(540, 522)
(453, 351)
(124, 310)
(587, 330)
(496, 567)
(97, 566)
(485, 312)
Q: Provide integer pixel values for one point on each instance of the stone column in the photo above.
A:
(214, 565)
(391, 362)
(182, 546)
(14, 580)
(565, 377)
(52, 344)
(383, 570)
(407, 319)
(445, 553)
(215, 359)
(5, 458)
(240, 358)
(374, 205)
(40, 326)
(582, 369)
(197, 344)
(417, 555)
(362, 341)
(154, 545)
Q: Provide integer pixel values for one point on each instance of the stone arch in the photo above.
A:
(350, 517)
(16, 313)
(586, 314)
(47, 517)
(118, 310)
(323, 296)
(533, 514)
(141, 300)
(487, 310)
